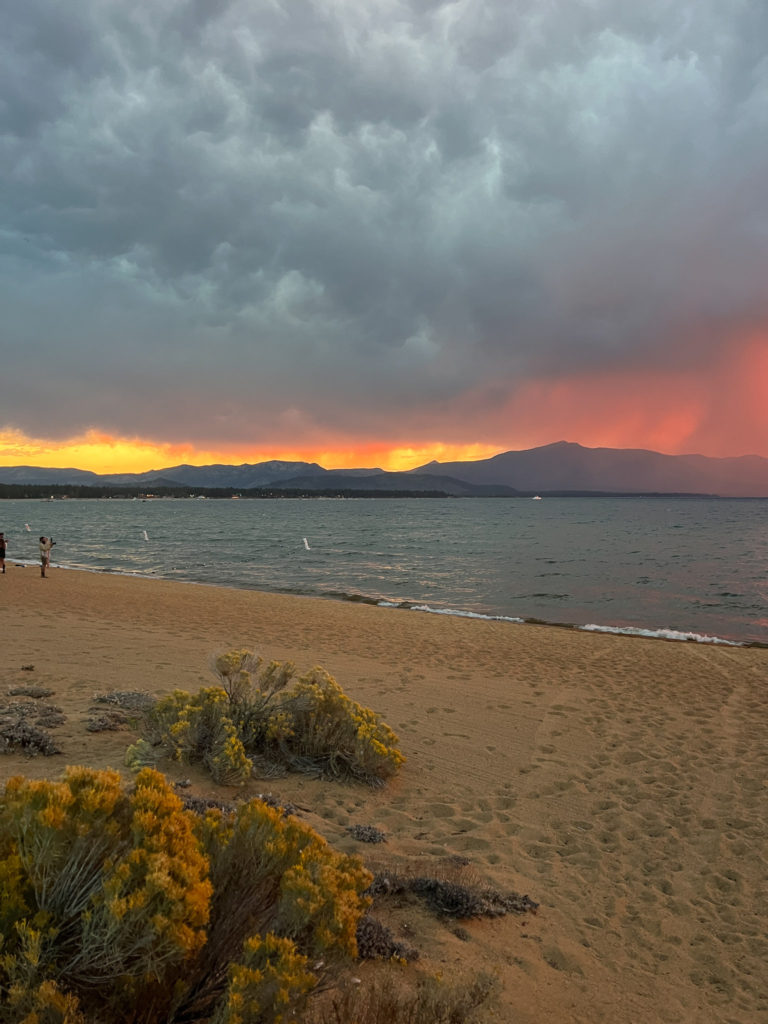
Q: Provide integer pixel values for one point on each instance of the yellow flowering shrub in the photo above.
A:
(321, 899)
(267, 984)
(235, 669)
(275, 677)
(56, 836)
(227, 760)
(113, 885)
(43, 1004)
(316, 892)
(24, 997)
(164, 714)
(13, 888)
(141, 754)
(311, 726)
(123, 905)
(279, 728)
(195, 730)
(154, 905)
(330, 733)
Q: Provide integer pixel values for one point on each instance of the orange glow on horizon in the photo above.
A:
(103, 453)
(717, 408)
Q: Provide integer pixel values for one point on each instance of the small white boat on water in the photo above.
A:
(536, 497)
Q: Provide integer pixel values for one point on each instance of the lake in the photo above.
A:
(659, 565)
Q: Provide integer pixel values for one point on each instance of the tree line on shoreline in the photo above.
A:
(57, 492)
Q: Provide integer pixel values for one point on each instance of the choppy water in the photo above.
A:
(695, 566)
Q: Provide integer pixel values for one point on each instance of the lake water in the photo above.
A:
(661, 565)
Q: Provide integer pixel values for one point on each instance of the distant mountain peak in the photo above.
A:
(560, 467)
(570, 467)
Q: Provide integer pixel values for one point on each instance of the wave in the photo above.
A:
(655, 634)
(662, 634)
(458, 612)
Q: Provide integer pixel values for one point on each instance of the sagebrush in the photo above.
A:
(254, 723)
(122, 905)
(428, 999)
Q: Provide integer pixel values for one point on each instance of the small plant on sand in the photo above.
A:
(388, 999)
(254, 722)
(124, 905)
(451, 889)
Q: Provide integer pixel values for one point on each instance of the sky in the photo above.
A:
(377, 233)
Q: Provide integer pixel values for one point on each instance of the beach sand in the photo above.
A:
(622, 783)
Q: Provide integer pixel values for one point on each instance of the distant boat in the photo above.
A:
(536, 497)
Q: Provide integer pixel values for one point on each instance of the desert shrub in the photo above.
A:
(267, 986)
(154, 904)
(386, 999)
(25, 998)
(194, 730)
(29, 738)
(136, 701)
(107, 721)
(125, 905)
(376, 942)
(31, 691)
(272, 873)
(55, 836)
(451, 889)
(253, 720)
(452, 899)
(315, 727)
(367, 833)
(321, 898)
(240, 673)
(113, 885)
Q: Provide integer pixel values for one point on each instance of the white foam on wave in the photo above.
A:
(660, 634)
(592, 627)
(451, 611)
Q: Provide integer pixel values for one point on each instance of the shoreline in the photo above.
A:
(632, 567)
(622, 785)
(668, 634)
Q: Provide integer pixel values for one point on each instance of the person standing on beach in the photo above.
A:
(3, 546)
(46, 543)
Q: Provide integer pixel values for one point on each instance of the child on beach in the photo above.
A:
(3, 546)
(46, 543)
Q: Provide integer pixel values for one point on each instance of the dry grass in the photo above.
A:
(390, 998)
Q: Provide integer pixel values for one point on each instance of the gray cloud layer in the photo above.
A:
(230, 221)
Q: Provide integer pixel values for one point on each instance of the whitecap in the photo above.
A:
(457, 612)
(659, 634)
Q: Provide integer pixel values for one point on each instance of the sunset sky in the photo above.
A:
(378, 232)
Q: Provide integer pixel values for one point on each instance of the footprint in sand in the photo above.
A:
(442, 810)
(466, 843)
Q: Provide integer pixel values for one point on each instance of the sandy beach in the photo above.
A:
(621, 783)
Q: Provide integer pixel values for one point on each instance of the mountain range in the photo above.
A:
(562, 467)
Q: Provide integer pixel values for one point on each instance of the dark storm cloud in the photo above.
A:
(221, 219)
